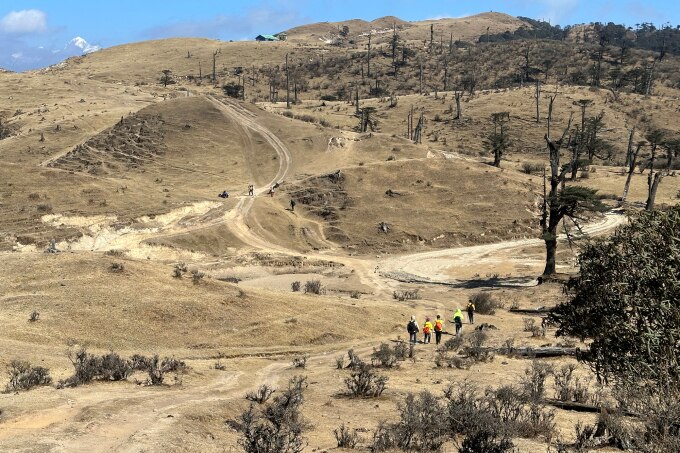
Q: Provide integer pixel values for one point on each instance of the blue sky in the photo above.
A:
(36, 33)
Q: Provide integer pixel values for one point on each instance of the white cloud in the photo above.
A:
(24, 22)
(557, 10)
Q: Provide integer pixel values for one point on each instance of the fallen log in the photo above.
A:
(573, 406)
(549, 351)
(582, 407)
(530, 311)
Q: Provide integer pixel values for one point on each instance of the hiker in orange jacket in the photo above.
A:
(427, 331)
(438, 329)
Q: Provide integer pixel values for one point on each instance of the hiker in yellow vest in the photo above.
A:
(427, 331)
(458, 320)
(438, 329)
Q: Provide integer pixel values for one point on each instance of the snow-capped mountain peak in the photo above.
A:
(81, 44)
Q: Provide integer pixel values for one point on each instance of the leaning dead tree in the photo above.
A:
(562, 202)
(631, 162)
(418, 132)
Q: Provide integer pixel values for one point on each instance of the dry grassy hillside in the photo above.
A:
(431, 203)
(464, 29)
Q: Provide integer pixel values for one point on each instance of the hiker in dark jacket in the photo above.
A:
(413, 329)
(471, 312)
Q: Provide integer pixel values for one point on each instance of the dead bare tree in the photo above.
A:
(368, 57)
(579, 144)
(287, 84)
(418, 132)
(631, 163)
(537, 96)
(459, 112)
(214, 73)
(551, 101)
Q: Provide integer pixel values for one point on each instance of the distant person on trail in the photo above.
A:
(271, 191)
(438, 329)
(224, 194)
(413, 329)
(251, 190)
(427, 331)
(458, 321)
(292, 205)
(471, 312)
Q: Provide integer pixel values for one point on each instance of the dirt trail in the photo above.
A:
(431, 267)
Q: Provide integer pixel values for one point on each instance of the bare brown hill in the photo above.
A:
(463, 28)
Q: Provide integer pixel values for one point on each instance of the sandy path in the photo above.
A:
(435, 267)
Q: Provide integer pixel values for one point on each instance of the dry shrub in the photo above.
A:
(364, 383)
(354, 360)
(276, 426)
(300, 362)
(407, 294)
(340, 362)
(34, 316)
(568, 387)
(401, 349)
(157, 368)
(530, 169)
(261, 395)
(453, 343)
(504, 411)
(23, 376)
(197, 276)
(443, 360)
(179, 269)
(295, 286)
(313, 287)
(383, 438)
(89, 367)
(486, 441)
(475, 347)
(485, 304)
(387, 357)
(117, 267)
(422, 423)
(345, 437)
(533, 381)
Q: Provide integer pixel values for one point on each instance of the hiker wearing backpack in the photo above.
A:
(458, 321)
(413, 329)
(438, 329)
(471, 312)
(427, 331)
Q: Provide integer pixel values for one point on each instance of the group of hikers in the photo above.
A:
(251, 193)
(437, 326)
